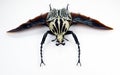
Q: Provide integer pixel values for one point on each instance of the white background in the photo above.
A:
(100, 50)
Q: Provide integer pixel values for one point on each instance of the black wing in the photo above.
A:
(81, 19)
(37, 21)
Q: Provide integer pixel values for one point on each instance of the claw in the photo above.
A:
(42, 62)
(78, 63)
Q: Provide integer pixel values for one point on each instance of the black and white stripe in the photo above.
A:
(59, 26)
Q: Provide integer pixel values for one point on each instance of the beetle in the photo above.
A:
(59, 21)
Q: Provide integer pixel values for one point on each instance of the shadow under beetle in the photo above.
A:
(59, 21)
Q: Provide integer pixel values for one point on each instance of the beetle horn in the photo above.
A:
(67, 7)
(50, 7)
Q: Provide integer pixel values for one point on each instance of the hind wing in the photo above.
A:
(37, 21)
(81, 19)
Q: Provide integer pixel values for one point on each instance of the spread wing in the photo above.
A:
(81, 19)
(37, 21)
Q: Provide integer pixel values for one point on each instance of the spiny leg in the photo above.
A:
(79, 56)
(42, 42)
(77, 42)
(41, 55)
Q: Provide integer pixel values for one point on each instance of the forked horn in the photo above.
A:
(50, 7)
(67, 7)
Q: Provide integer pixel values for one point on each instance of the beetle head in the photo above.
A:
(55, 13)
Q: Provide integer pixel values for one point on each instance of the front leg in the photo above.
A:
(77, 42)
(42, 42)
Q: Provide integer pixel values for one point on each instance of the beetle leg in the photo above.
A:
(42, 42)
(54, 39)
(66, 39)
(77, 42)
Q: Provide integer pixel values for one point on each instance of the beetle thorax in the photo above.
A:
(59, 27)
(59, 23)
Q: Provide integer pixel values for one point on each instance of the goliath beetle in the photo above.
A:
(59, 21)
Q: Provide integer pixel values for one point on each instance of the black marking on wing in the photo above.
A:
(81, 19)
(39, 20)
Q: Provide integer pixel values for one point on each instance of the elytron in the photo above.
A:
(59, 21)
